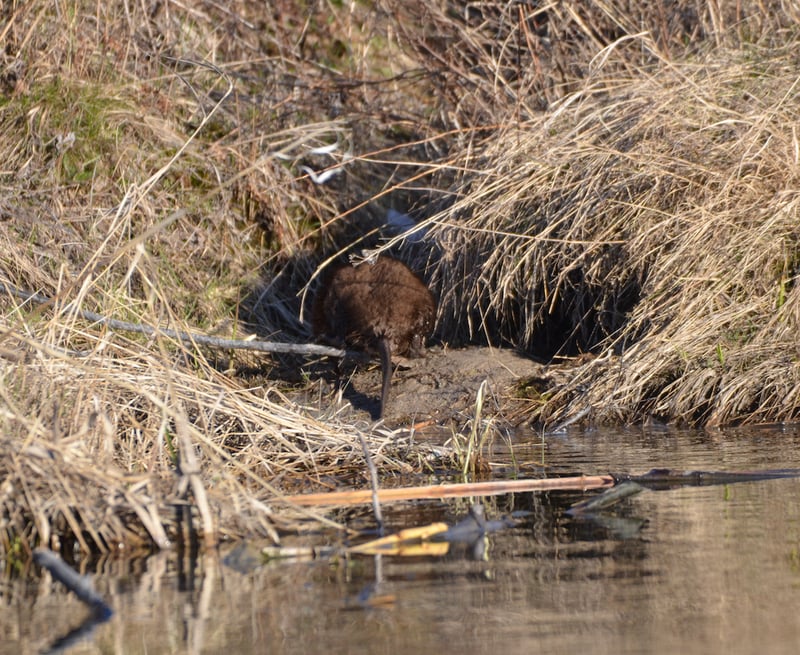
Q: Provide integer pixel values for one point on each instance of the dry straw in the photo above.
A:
(593, 180)
(653, 220)
(648, 216)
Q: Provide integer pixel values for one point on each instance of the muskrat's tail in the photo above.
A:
(385, 350)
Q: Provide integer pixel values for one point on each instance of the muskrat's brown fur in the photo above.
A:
(381, 307)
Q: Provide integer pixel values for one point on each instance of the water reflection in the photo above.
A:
(706, 570)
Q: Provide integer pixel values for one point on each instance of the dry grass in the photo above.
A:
(99, 457)
(650, 217)
(153, 173)
(595, 176)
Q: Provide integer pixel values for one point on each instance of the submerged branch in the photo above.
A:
(80, 585)
(662, 478)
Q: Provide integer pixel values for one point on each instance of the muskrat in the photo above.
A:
(376, 307)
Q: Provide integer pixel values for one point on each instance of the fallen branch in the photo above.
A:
(187, 337)
(363, 496)
(654, 479)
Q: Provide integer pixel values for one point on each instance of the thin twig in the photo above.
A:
(373, 480)
(190, 467)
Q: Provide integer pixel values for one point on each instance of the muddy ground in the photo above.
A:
(442, 386)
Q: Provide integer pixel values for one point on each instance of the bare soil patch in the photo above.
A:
(441, 387)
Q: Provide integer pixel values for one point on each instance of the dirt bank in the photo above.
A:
(442, 386)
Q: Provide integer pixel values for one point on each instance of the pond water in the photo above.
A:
(708, 569)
